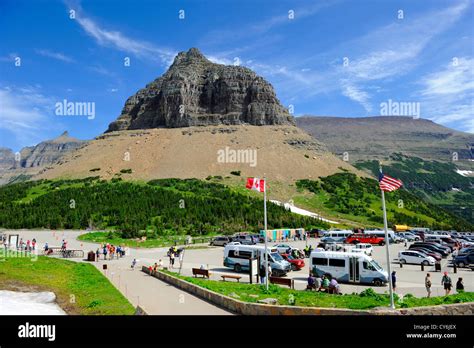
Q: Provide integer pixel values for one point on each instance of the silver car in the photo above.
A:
(220, 241)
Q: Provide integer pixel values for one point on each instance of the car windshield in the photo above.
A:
(376, 265)
(289, 257)
(276, 256)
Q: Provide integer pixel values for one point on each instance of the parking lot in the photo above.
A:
(410, 278)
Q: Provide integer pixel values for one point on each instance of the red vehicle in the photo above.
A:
(296, 264)
(365, 238)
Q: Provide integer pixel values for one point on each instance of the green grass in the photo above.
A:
(115, 239)
(79, 287)
(365, 300)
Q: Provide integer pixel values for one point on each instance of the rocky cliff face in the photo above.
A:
(49, 151)
(34, 159)
(197, 92)
(7, 158)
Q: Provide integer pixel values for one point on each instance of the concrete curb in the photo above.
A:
(247, 308)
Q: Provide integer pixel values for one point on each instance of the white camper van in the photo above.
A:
(237, 257)
(348, 267)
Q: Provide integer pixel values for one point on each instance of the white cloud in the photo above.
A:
(121, 42)
(24, 112)
(357, 95)
(447, 96)
(55, 55)
(384, 53)
(456, 78)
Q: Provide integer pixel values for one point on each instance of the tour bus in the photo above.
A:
(348, 267)
(336, 236)
(392, 238)
(236, 256)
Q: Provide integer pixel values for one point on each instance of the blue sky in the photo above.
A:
(332, 58)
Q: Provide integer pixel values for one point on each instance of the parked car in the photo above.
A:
(296, 264)
(466, 251)
(220, 241)
(282, 248)
(464, 260)
(415, 257)
(244, 239)
(336, 236)
(441, 246)
(433, 254)
(431, 247)
(364, 247)
(410, 237)
(365, 238)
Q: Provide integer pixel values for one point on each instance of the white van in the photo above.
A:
(348, 267)
(338, 236)
(364, 248)
(237, 257)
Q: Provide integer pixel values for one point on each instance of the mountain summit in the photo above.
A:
(196, 92)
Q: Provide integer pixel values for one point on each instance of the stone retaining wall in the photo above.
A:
(247, 308)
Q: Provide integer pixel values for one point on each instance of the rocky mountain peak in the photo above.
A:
(196, 92)
(191, 56)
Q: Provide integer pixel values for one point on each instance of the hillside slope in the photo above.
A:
(368, 138)
(283, 153)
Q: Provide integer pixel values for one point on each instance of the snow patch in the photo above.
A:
(29, 303)
(464, 172)
(304, 212)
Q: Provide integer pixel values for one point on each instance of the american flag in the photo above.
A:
(388, 184)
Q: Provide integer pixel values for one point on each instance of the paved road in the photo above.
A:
(154, 295)
(161, 298)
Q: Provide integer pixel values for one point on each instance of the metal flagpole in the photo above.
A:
(265, 227)
(385, 225)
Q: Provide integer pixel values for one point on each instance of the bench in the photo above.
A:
(203, 272)
(283, 281)
(225, 276)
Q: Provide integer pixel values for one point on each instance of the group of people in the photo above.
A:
(174, 253)
(158, 265)
(28, 245)
(111, 251)
(324, 284)
(446, 282)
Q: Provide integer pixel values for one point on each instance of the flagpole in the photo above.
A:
(387, 242)
(265, 227)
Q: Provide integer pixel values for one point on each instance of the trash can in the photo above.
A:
(438, 266)
(91, 256)
(104, 266)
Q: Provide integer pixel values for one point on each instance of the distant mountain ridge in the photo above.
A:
(196, 92)
(378, 137)
(33, 159)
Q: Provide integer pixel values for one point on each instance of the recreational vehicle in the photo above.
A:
(348, 267)
(237, 257)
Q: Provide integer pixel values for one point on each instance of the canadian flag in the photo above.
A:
(255, 184)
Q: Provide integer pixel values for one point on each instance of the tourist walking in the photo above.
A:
(459, 286)
(97, 254)
(447, 283)
(134, 262)
(172, 259)
(394, 280)
(105, 252)
(428, 284)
